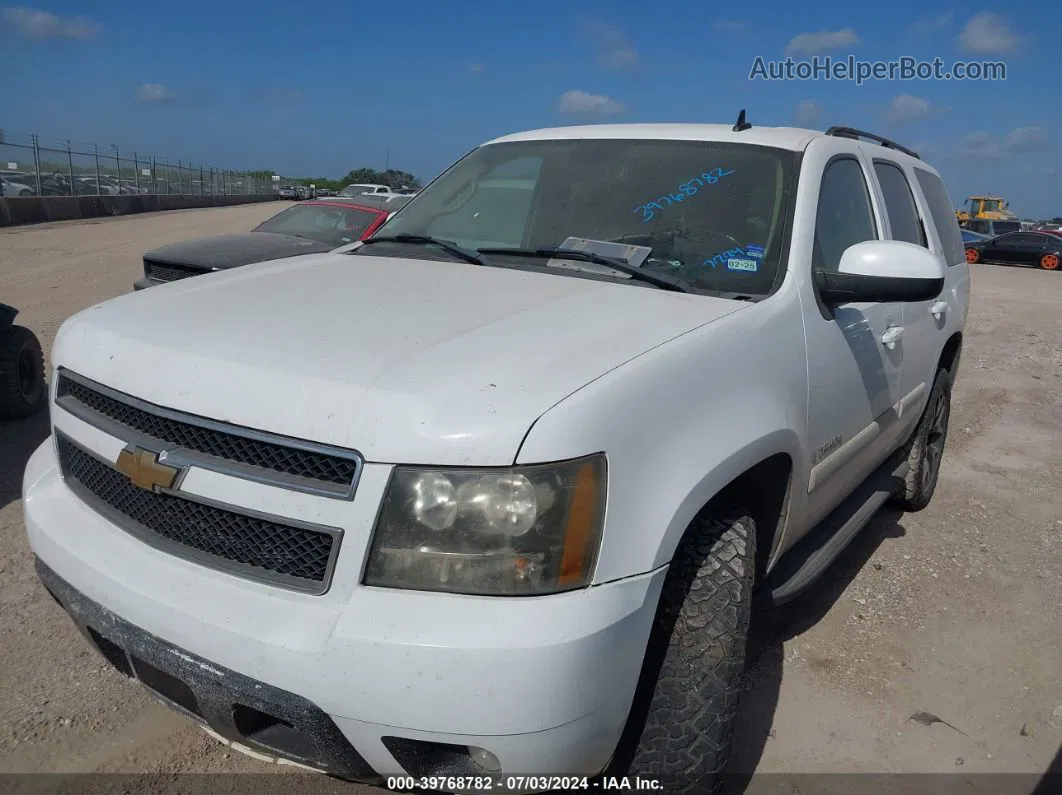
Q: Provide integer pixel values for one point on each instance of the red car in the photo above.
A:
(310, 227)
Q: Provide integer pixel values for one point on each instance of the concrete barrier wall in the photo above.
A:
(35, 210)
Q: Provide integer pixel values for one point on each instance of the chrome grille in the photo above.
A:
(231, 449)
(161, 272)
(279, 552)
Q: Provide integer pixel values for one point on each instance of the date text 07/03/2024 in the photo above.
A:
(522, 783)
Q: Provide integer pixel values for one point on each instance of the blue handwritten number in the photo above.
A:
(709, 177)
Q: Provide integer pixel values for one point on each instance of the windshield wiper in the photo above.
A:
(663, 281)
(476, 258)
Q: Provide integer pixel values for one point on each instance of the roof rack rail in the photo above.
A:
(851, 132)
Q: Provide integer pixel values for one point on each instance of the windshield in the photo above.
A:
(990, 205)
(335, 226)
(712, 213)
(1002, 227)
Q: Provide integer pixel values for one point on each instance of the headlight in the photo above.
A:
(517, 531)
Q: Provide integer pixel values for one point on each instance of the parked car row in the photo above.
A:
(23, 184)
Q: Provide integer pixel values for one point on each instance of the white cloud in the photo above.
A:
(905, 109)
(824, 40)
(615, 51)
(34, 24)
(728, 26)
(1026, 139)
(989, 34)
(808, 113)
(1021, 140)
(154, 92)
(925, 27)
(580, 103)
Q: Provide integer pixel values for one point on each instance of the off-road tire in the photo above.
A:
(680, 728)
(925, 450)
(22, 388)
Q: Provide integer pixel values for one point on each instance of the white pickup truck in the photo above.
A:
(488, 500)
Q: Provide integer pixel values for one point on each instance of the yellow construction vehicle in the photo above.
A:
(989, 208)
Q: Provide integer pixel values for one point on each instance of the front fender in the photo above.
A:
(679, 423)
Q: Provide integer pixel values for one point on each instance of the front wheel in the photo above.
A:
(680, 727)
(1049, 262)
(22, 390)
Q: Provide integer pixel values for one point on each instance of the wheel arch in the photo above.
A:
(758, 479)
(951, 354)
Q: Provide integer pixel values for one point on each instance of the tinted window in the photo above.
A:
(1022, 239)
(899, 202)
(944, 221)
(844, 216)
(711, 213)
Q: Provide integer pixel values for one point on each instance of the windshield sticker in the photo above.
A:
(749, 265)
(691, 188)
(756, 252)
(719, 259)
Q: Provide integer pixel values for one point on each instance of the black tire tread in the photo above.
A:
(703, 618)
(13, 340)
(912, 497)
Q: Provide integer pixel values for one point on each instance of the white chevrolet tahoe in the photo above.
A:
(490, 497)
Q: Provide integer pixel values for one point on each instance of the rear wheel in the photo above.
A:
(22, 390)
(1049, 262)
(973, 255)
(682, 720)
(926, 447)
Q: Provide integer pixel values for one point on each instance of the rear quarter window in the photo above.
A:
(943, 216)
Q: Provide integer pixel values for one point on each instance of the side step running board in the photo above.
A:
(801, 566)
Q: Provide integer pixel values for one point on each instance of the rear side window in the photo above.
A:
(900, 204)
(944, 221)
(844, 216)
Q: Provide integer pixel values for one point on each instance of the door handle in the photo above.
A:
(891, 336)
(938, 309)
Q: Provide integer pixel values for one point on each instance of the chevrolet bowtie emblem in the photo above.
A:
(143, 469)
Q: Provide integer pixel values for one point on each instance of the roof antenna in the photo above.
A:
(741, 124)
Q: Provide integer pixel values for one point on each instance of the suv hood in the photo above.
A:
(232, 251)
(408, 361)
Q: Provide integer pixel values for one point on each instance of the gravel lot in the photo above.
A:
(955, 611)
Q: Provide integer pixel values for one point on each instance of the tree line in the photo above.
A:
(393, 178)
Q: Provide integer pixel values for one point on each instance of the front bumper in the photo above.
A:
(409, 680)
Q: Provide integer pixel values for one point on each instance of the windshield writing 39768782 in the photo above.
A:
(691, 188)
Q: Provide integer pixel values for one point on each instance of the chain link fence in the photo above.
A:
(32, 165)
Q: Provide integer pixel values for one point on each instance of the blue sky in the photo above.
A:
(324, 86)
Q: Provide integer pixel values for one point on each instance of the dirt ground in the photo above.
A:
(955, 611)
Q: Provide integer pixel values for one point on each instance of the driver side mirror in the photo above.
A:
(882, 271)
